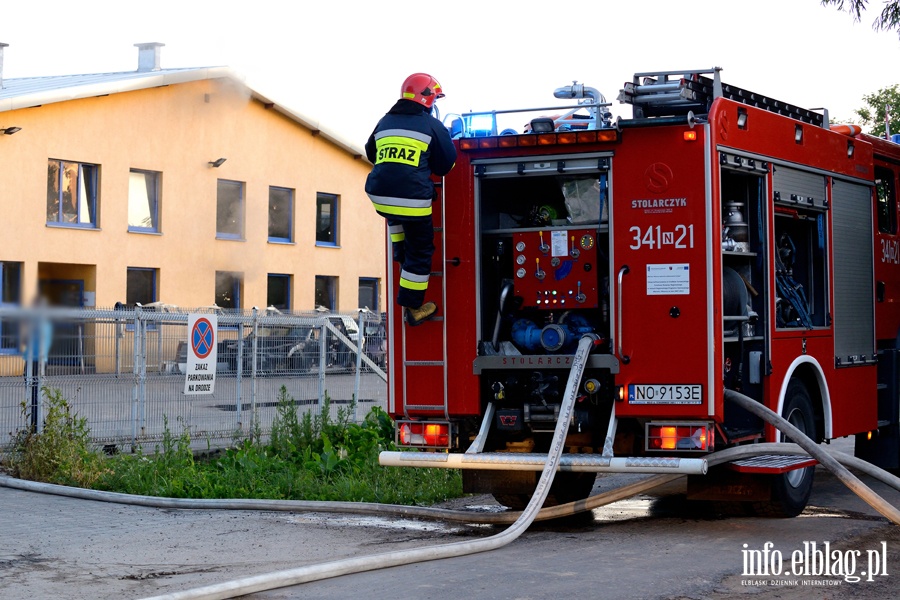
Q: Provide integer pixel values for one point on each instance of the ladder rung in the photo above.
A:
(424, 363)
(436, 407)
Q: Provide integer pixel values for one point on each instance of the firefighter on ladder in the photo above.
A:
(407, 146)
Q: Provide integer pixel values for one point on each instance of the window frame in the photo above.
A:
(331, 285)
(375, 285)
(152, 325)
(89, 182)
(286, 280)
(241, 201)
(153, 203)
(332, 200)
(237, 288)
(290, 215)
(154, 284)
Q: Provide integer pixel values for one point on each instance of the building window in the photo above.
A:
(10, 295)
(72, 193)
(228, 289)
(368, 293)
(281, 215)
(887, 200)
(230, 209)
(143, 201)
(326, 219)
(326, 292)
(141, 286)
(279, 291)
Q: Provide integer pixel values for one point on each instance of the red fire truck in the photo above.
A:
(716, 239)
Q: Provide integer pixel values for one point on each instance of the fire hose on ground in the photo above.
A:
(826, 460)
(520, 521)
(240, 587)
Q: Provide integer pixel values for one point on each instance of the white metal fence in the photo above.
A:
(123, 370)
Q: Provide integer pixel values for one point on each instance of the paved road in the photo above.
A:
(644, 547)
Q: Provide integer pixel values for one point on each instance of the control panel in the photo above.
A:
(555, 269)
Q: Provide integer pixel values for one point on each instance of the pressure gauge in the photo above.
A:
(554, 262)
(586, 242)
(520, 273)
(520, 246)
(520, 259)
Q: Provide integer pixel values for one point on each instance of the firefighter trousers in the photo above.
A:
(412, 244)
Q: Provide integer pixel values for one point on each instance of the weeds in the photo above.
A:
(307, 457)
(61, 452)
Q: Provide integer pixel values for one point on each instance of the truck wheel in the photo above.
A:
(566, 487)
(791, 490)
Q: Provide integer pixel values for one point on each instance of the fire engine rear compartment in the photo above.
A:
(542, 283)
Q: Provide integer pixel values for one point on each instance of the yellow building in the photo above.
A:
(180, 186)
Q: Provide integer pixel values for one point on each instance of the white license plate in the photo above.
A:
(673, 393)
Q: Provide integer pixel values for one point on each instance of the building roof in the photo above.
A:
(25, 92)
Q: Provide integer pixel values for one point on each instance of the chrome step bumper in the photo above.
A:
(521, 461)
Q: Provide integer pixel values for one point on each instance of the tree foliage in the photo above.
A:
(883, 105)
(872, 115)
(888, 20)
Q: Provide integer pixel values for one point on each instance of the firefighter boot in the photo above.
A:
(414, 316)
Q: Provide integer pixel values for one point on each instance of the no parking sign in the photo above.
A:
(201, 358)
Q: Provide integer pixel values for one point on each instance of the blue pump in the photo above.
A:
(559, 337)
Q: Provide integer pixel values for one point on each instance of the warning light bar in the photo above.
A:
(679, 437)
(567, 138)
(423, 434)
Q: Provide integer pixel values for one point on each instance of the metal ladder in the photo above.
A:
(424, 348)
(675, 93)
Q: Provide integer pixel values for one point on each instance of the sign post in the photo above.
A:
(201, 360)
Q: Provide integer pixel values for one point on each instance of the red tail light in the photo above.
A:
(423, 434)
(676, 437)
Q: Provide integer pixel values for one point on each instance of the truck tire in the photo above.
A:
(791, 490)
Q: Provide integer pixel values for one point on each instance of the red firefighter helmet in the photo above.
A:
(422, 89)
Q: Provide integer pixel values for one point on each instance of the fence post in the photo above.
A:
(254, 366)
(360, 338)
(159, 346)
(239, 377)
(135, 371)
(119, 335)
(36, 352)
(142, 375)
(323, 362)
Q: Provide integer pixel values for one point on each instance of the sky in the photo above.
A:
(342, 63)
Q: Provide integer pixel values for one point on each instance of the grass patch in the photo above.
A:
(61, 452)
(307, 457)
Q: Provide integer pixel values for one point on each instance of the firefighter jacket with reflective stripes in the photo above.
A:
(407, 146)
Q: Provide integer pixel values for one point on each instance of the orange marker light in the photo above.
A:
(669, 437)
(690, 136)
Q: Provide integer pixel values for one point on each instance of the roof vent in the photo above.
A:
(148, 56)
